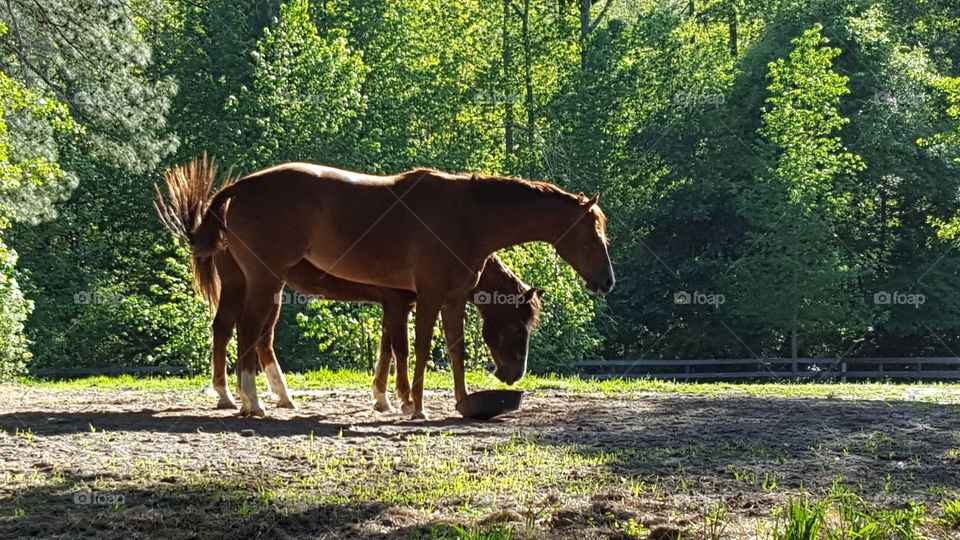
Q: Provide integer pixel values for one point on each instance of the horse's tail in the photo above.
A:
(196, 218)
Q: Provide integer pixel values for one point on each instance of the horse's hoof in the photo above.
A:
(406, 408)
(418, 415)
(246, 411)
(226, 404)
(382, 406)
(286, 404)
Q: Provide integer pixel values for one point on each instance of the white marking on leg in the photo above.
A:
(381, 403)
(226, 398)
(249, 402)
(278, 385)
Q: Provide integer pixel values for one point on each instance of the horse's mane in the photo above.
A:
(521, 185)
(522, 286)
(514, 188)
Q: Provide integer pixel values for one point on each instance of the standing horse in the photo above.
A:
(423, 230)
(506, 325)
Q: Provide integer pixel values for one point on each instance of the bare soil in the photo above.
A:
(666, 458)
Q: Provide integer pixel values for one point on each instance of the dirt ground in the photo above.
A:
(169, 465)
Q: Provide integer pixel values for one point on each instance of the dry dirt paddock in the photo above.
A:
(138, 464)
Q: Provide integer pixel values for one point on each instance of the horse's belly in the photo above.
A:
(354, 263)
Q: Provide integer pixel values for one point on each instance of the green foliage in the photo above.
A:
(858, 519)
(458, 532)
(799, 276)
(307, 92)
(25, 179)
(347, 335)
(175, 318)
(14, 309)
(96, 59)
(802, 121)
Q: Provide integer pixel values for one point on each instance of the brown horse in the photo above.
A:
(507, 324)
(423, 230)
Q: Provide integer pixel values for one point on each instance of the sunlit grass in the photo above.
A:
(351, 379)
(845, 515)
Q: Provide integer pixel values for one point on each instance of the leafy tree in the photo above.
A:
(93, 57)
(23, 178)
(96, 60)
(306, 97)
(798, 277)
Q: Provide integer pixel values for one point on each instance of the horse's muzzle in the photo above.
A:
(509, 375)
(602, 285)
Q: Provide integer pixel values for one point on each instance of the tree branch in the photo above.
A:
(599, 18)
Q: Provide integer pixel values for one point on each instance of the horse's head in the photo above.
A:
(508, 321)
(584, 246)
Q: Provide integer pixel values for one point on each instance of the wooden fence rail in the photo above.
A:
(925, 368)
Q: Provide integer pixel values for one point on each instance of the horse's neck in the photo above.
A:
(539, 219)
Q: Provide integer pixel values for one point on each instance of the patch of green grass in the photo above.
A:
(430, 472)
(715, 522)
(457, 532)
(951, 513)
(351, 379)
(844, 515)
(800, 520)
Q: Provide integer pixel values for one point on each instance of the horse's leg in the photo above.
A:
(393, 344)
(229, 306)
(228, 311)
(427, 311)
(452, 315)
(382, 372)
(257, 308)
(401, 350)
(269, 363)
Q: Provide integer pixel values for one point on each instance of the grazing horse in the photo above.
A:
(422, 230)
(506, 325)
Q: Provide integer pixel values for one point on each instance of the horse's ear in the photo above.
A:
(540, 293)
(593, 200)
(532, 293)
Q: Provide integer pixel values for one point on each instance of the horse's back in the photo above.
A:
(319, 173)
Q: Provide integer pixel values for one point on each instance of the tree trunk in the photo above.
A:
(732, 22)
(528, 80)
(584, 31)
(507, 90)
